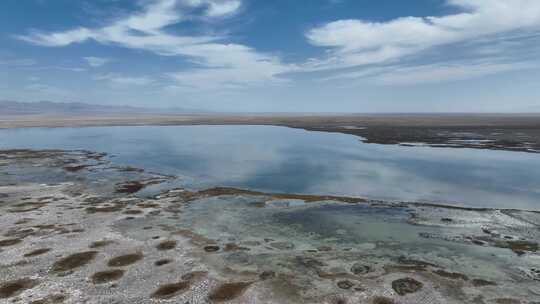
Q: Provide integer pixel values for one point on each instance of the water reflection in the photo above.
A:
(290, 160)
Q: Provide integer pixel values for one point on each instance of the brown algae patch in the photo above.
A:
(168, 291)
(507, 301)
(15, 287)
(451, 275)
(105, 209)
(129, 187)
(218, 191)
(482, 283)
(100, 244)
(27, 207)
(37, 252)
(75, 168)
(382, 300)
(345, 284)
(52, 299)
(73, 261)
(162, 262)
(133, 212)
(9, 242)
(228, 291)
(406, 285)
(521, 247)
(107, 276)
(234, 247)
(125, 260)
(194, 275)
(359, 269)
(166, 245)
(211, 248)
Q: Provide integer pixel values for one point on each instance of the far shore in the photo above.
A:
(300, 120)
(509, 132)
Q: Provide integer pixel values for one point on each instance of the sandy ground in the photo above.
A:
(73, 230)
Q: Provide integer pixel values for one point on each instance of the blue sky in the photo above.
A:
(280, 55)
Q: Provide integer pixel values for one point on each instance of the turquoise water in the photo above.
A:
(278, 159)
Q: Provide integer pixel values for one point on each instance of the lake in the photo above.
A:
(280, 159)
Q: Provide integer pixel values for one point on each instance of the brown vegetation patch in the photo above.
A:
(26, 207)
(228, 291)
(266, 275)
(15, 287)
(166, 245)
(133, 212)
(129, 187)
(234, 247)
(482, 283)
(168, 291)
(406, 285)
(37, 252)
(346, 284)
(9, 242)
(162, 262)
(520, 247)
(125, 260)
(217, 191)
(107, 276)
(451, 275)
(359, 269)
(334, 275)
(507, 301)
(382, 300)
(100, 244)
(75, 168)
(404, 268)
(148, 205)
(211, 248)
(52, 299)
(129, 169)
(194, 275)
(37, 230)
(73, 261)
(407, 261)
(106, 209)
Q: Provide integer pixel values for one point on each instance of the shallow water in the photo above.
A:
(279, 159)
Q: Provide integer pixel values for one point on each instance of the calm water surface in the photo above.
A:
(279, 159)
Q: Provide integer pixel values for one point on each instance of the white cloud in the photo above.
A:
(96, 62)
(220, 64)
(57, 68)
(216, 9)
(18, 62)
(358, 42)
(428, 73)
(125, 80)
(350, 44)
(445, 72)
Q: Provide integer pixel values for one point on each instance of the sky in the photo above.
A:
(275, 56)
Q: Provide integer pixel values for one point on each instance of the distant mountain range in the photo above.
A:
(77, 108)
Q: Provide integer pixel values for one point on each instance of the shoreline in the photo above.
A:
(520, 133)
